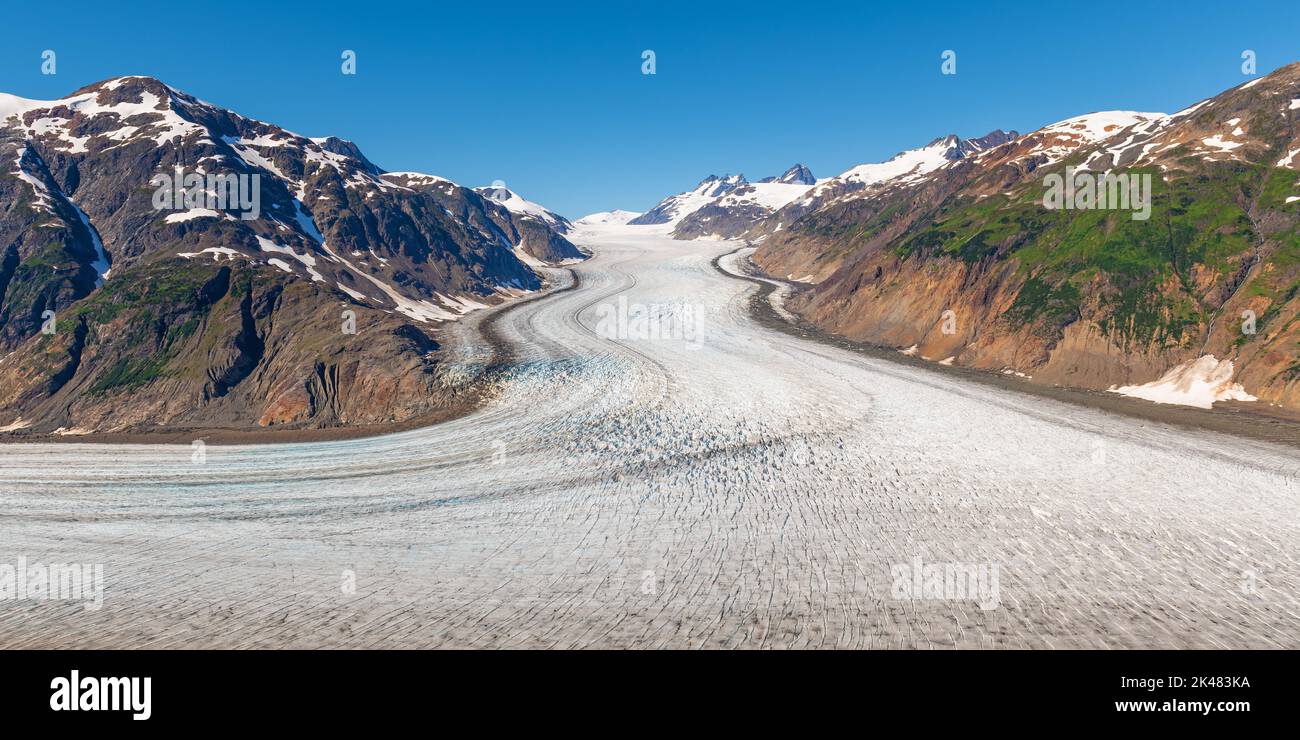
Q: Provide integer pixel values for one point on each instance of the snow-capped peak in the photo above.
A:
(514, 203)
(911, 164)
(676, 207)
(607, 217)
(11, 104)
(713, 186)
(1100, 125)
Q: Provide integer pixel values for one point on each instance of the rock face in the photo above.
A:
(1089, 295)
(281, 281)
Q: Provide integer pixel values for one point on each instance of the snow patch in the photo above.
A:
(771, 196)
(216, 253)
(73, 432)
(1198, 383)
(308, 261)
(176, 218)
(355, 295)
(527, 258)
(417, 178)
(252, 157)
(101, 266)
(460, 304)
(1065, 137)
(1218, 142)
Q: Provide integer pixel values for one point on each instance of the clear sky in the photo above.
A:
(552, 100)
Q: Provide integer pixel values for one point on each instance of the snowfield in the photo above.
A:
(715, 485)
(1200, 382)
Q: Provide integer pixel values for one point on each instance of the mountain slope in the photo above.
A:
(230, 315)
(1087, 297)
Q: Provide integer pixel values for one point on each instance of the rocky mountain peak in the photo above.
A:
(798, 174)
(956, 148)
(498, 193)
(345, 148)
(996, 137)
(128, 85)
(714, 185)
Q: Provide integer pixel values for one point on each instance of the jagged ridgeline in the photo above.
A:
(165, 262)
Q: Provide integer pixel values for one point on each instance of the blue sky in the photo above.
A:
(552, 101)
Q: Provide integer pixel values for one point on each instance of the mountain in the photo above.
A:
(674, 208)
(221, 301)
(607, 217)
(725, 207)
(524, 208)
(537, 231)
(1203, 290)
